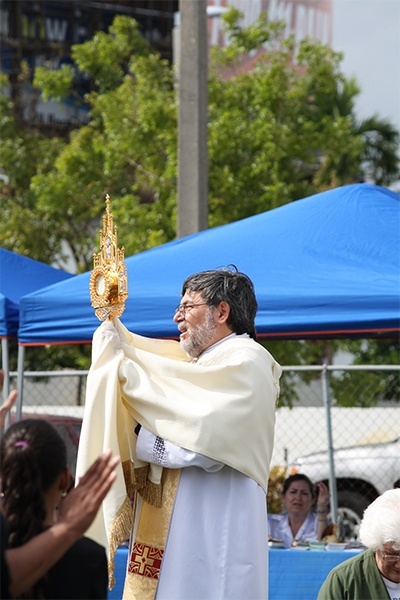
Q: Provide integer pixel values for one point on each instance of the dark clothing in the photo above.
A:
(4, 573)
(80, 574)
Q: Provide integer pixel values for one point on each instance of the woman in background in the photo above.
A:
(34, 477)
(299, 521)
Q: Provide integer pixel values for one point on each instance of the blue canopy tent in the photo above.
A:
(324, 266)
(19, 276)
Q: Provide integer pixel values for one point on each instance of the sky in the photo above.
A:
(368, 32)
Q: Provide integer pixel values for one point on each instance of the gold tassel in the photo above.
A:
(129, 476)
(120, 531)
(152, 493)
(140, 477)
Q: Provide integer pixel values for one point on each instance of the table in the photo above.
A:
(292, 573)
(300, 573)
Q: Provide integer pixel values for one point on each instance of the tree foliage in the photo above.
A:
(366, 389)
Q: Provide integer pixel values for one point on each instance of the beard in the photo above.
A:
(200, 337)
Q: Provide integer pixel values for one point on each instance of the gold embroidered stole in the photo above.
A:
(147, 549)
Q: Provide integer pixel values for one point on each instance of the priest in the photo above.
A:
(193, 422)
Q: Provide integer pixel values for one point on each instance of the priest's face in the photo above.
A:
(197, 324)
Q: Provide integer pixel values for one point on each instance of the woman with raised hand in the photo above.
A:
(299, 521)
(34, 478)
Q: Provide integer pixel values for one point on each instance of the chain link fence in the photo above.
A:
(344, 430)
(345, 418)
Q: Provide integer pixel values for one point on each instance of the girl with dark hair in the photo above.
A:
(299, 522)
(34, 478)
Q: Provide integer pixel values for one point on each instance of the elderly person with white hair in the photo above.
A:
(375, 573)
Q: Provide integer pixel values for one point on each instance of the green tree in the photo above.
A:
(24, 227)
(347, 388)
(379, 158)
(368, 388)
(286, 129)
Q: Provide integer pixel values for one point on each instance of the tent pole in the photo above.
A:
(332, 478)
(20, 380)
(6, 368)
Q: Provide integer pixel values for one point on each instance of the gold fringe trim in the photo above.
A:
(140, 477)
(129, 476)
(120, 530)
(152, 493)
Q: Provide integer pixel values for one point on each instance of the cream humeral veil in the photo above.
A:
(223, 407)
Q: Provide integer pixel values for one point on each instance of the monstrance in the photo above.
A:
(109, 280)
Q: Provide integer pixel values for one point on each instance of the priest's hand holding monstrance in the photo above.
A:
(108, 281)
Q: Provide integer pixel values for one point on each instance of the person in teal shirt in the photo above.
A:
(374, 574)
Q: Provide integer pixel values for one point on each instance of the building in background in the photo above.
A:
(42, 32)
(302, 17)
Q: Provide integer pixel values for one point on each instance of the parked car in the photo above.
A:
(362, 473)
(68, 427)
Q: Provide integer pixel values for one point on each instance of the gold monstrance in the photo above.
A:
(109, 280)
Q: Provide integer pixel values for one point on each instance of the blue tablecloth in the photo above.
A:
(292, 573)
(299, 574)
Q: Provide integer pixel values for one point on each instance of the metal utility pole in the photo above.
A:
(192, 127)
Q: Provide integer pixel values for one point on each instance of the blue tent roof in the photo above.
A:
(324, 266)
(19, 276)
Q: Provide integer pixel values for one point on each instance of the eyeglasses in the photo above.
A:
(183, 308)
(390, 558)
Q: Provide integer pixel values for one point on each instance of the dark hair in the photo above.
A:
(32, 455)
(298, 477)
(231, 286)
